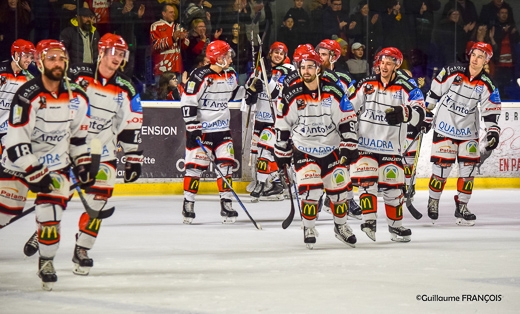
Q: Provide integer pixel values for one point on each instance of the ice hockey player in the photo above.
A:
(47, 134)
(13, 73)
(207, 117)
(262, 144)
(387, 103)
(330, 51)
(456, 92)
(115, 118)
(319, 119)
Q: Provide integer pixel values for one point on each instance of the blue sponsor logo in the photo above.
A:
(50, 159)
(135, 104)
(416, 94)
(3, 127)
(345, 104)
(375, 144)
(262, 115)
(316, 150)
(327, 102)
(219, 124)
(495, 97)
(450, 129)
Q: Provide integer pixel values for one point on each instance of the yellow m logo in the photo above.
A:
(309, 209)
(340, 208)
(366, 203)
(49, 233)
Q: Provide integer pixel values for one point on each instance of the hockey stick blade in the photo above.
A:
(92, 213)
(287, 222)
(212, 160)
(415, 213)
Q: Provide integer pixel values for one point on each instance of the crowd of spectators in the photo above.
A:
(170, 36)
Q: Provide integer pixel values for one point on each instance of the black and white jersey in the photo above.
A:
(457, 97)
(116, 114)
(46, 128)
(206, 98)
(9, 84)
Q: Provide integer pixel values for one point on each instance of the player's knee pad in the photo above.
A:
(393, 203)
(89, 225)
(48, 212)
(309, 209)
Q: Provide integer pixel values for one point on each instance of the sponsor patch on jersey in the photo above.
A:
(327, 102)
(17, 114)
(398, 94)
(339, 177)
(479, 89)
(135, 104)
(391, 173)
(472, 148)
(191, 87)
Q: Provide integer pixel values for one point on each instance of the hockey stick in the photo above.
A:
(415, 213)
(287, 222)
(212, 159)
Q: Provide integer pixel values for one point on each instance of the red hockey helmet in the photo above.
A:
(301, 49)
(217, 49)
(22, 46)
(332, 46)
(49, 44)
(393, 53)
(485, 47)
(277, 45)
(113, 42)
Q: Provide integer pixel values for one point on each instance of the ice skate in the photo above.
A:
(47, 273)
(188, 212)
(310, 235)
(275, 193)
(344, 234)
(354, 210)
(463, 215)
(82, 263)
(229, 215)
(400, 234)
(31, 246)
(251, 186)
(257, 192)
(369, 227)
(433, 209)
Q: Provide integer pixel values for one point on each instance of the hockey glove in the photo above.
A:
(133, 163)
(39, 179)
(283, 156)
(252, 92)
(397, 115)
(426, 124)
(83, 171)
(193, 131)
(348, 153)
(493, 137)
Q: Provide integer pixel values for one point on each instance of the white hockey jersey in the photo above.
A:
(116, 114)
(457, 98)
(206, 98)
(372, 99)
(9, 84)
(46, 128)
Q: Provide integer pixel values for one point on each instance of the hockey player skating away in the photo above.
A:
(320, 120)
(115, 117)
(387, 103)
(13, 74)
(330, 51)
(206, 113)
(262, 144)
(47, 134)
(456, 92)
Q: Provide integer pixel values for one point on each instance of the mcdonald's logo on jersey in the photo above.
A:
(93, 225)
(309, 209)
(366, 202)
(340, 208)
(49, 234)
(262, 165)
(436, 185)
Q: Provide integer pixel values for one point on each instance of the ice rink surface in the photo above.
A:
(147, 261)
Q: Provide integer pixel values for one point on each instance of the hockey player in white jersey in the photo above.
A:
(13, 73)
(47, 134)
(115, 119)
(264, 138)
(387, 102)
(457, 92)
(320, 121)
(207, 117)
(330, 51)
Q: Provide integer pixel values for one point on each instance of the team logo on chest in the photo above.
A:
(43, 102)
(3, 80)
(458, 80)
(369, 89)
(479, 89)
(301, 104)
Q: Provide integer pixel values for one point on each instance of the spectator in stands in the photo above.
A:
(358, 66)
(420, 18)
(15, 23)
(287, 34)
(101, 9)
(341, 64)
(168, 38)
(507, 50)
(67, 10)
(194, 10)
(81, 38)
(237, 12)
(199, 40)
(466, 8)
(395, 28)
(481, 34)
(169, 86)
(317, 7)
(450, 39)
(301, 21)
(489, 12)
(124, 15)
(242, 48)
(335, 20)
(358, 28)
